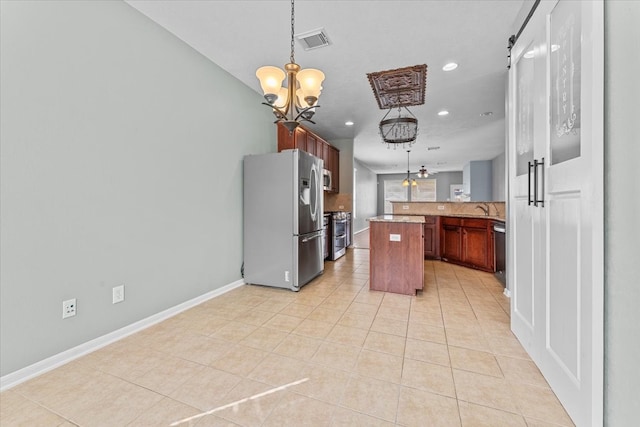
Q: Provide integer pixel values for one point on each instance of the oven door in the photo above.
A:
(339, 227)
(339, 247)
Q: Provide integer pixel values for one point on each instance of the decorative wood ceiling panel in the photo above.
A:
(401, 87)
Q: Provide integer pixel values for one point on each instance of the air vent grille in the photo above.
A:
(313, 39)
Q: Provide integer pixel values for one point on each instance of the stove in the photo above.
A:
(338, 236)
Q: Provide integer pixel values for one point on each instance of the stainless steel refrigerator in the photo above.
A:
(283, 213)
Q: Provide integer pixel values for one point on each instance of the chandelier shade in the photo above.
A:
(401, 130)
(298, 100)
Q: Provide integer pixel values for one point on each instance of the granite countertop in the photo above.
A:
(413, 219)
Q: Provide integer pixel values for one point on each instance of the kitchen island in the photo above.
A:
(396, 261)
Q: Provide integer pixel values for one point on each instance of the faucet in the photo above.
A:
(484, 209)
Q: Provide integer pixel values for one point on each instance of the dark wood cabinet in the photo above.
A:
(451, 239)
(475, 244)
(334, 159)
(312, 144)
(431, 237)
(468, 242)
(305, 140)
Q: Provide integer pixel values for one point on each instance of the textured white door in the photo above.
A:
(557, 307)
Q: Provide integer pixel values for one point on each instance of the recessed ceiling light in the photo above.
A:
(530, 54)
(348, 123)
(555, 47)
(443, 113)
(450, 66)
(486, 114)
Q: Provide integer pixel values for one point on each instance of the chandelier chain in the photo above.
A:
(292, 32)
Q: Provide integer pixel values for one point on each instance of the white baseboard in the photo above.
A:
(360, 231)
(55, 361)
(507, 293)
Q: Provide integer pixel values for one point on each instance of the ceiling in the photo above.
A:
(369, 36)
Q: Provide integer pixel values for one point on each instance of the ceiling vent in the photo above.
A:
(313, 39)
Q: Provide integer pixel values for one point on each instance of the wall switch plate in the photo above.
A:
(394, 238)
(118, 294)
(69, 308)
(341, 207)
(440, 207)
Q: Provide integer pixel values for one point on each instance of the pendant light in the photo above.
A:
(408, 181)
(298, 101)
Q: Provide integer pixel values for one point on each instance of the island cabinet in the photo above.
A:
(305, 140)
(468, 242)
(396, 261)
(432, 237)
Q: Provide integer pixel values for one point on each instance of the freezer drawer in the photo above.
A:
(310, 252)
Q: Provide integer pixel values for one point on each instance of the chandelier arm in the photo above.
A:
(409, 111)
(279, 113)
(304, 110)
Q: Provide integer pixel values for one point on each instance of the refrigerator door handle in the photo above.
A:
(312, 237)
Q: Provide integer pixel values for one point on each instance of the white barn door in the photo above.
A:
(557, 306)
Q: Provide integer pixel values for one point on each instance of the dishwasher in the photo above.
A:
(499, 232)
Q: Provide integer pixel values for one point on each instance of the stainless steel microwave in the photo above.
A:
(326, 179)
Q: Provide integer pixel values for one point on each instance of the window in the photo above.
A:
(393, 192)
(425, 191)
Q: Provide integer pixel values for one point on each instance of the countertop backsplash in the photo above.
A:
(338, 202)
(496, 210)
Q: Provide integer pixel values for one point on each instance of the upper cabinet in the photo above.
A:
(305, 140)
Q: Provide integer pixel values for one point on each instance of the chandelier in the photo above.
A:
(407, 181)
(298, 101)
(422, 173)
(400, 130)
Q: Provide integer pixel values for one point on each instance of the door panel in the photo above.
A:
(563, 284)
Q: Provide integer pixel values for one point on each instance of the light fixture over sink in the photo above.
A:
(298, 101)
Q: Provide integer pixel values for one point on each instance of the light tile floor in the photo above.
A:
(333, 354)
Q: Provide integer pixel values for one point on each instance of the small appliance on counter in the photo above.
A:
(283, 219)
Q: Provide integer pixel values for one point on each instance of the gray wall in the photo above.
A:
(366, 196)
(622, 206)
(444, 181)
(477, 179)
(121, 163)
(498, 165)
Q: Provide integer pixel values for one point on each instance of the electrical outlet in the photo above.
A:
(405, 207)
(118, 294)
(68, 308)
(440, 207)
